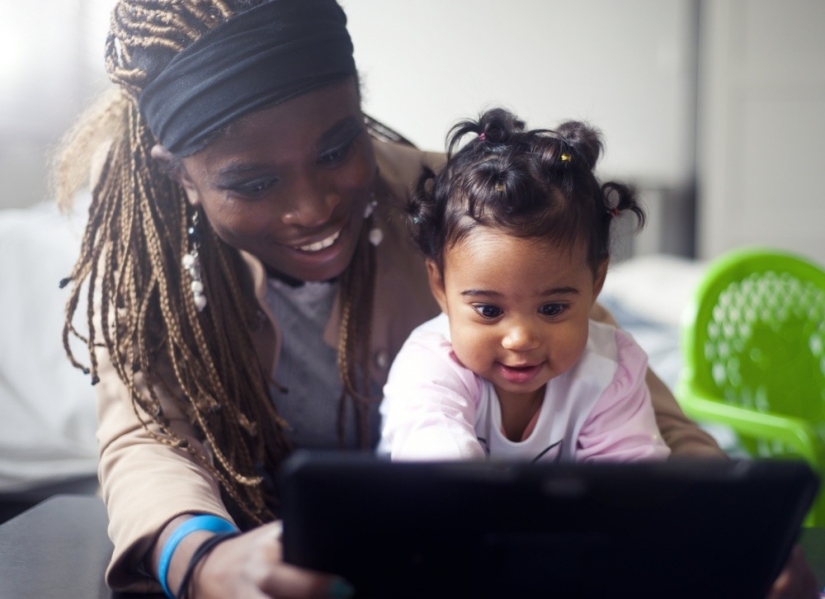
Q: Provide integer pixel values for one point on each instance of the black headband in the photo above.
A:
(266, 55)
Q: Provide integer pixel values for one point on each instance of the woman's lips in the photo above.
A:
(320, 245)
(519, 374)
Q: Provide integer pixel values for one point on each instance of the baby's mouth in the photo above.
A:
(320, 245)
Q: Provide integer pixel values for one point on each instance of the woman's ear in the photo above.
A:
(437, 284)
(173, 167)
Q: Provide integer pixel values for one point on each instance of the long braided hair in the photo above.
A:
(130, 262)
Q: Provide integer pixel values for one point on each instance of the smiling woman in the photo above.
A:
(288, 186)
(243, 233)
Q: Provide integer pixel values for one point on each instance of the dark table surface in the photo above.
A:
(59, 550)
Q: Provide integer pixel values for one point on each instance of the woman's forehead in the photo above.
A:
(303, 124)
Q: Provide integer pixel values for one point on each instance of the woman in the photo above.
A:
(249, 280)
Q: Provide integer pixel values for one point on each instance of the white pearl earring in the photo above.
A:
(376, 235)
(192, 263)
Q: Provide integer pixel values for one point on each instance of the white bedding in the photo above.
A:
(47, 410)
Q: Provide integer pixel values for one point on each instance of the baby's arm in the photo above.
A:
(622, 425)
(684, 437)
(429, 406)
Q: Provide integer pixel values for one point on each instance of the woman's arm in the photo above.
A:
(150, 489)
(145, 483)
(682, 435)
(249, 565)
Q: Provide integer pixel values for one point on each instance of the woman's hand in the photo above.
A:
(796, 581)
(250, 566)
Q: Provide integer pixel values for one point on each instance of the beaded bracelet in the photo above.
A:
(202, 522)
(201, 552)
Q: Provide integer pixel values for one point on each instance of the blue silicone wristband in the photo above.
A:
(209, 523)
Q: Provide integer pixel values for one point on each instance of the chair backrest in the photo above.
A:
(755, 334)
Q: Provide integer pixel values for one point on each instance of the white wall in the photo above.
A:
(51, 65)
(625, 66)
(762, 126)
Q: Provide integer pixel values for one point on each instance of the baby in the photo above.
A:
(515, 230)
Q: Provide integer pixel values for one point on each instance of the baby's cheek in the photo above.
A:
(575, 346)
(471, 351)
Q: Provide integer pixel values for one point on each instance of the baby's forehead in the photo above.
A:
(476, 236)
(510, 269)
(492, 255)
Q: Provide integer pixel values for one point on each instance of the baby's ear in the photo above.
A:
(600, 276)
(437, 284)
(174, 169)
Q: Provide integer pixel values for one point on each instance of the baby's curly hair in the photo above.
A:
(535, 183)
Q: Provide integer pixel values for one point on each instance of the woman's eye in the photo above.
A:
(336, 154)
(254, 188)
(552, 309)
(488, 311)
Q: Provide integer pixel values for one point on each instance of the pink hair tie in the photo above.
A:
(482, 136)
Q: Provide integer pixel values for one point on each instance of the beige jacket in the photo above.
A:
(146, 484)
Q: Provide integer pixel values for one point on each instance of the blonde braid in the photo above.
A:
(357, 289)
(145, 317)
(131, 258)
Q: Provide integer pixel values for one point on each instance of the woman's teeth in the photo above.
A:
(320, 245)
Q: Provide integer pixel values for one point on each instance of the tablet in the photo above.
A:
(692, 529)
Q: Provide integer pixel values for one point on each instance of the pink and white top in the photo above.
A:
(436, 409)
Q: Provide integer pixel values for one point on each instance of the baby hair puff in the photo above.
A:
(537, 183)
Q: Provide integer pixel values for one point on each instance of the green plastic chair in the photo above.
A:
(753, 342)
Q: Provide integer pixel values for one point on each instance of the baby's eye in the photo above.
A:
(488, 311)
(552, 309)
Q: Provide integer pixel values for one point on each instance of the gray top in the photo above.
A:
(308, 367)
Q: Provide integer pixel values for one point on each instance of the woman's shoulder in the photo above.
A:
(401, 164)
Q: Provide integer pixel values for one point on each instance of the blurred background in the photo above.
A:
(715, 109)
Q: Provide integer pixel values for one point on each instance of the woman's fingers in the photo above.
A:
(251, 566)
(289, 582)
(797, 580)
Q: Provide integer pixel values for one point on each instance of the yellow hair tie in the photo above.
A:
(565, 157)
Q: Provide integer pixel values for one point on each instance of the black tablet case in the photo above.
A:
(698, 529)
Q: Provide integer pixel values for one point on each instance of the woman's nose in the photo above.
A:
(312, 204)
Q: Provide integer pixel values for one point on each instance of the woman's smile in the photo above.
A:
(320, 245)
